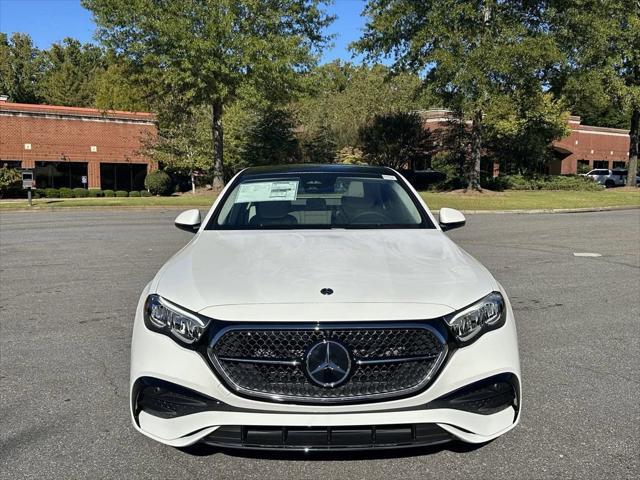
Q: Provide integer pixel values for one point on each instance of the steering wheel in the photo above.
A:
(376, 217)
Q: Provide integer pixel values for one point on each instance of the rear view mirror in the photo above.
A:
(450, 219)
(189, 220)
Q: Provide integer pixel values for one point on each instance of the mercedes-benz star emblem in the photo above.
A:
(328, 363)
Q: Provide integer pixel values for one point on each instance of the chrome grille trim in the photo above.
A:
(324, 330)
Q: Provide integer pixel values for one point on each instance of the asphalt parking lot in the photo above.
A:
(69, 285)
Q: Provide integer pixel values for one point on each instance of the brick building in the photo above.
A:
(585, 148)
(64, 144)
(589, 147)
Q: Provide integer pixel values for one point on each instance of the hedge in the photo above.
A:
(80, 192)
(96, 193)
(145, 193)
(542, 182)
(51, 193)
(134, 193)
(108, 193)
(65, 192)
(121, 193)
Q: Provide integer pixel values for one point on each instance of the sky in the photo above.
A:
(49, 21)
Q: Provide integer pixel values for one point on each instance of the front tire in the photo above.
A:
(609, 184)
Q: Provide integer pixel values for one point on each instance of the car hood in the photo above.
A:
(274, 274)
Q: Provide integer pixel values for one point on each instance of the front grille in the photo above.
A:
(269, 362)
(327, 438)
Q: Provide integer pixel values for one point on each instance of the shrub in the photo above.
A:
(41, 192)
(134, 193)
(158, 183)
(144, 193)
(96, 193)
(545, 182)
(80, 192)
(65, 192)
(108, 193)
(10, 181)
(51, 193)
(121, 193)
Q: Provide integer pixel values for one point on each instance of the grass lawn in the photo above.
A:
(532, 200)
(510, 200)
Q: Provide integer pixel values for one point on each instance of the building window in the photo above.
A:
(10, 164)
(60, 174)
(583, 166)
(620, 165)
(122, 176)
(601, 164)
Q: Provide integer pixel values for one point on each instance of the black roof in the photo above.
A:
(316, 168)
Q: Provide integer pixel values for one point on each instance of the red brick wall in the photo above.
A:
(66, 134)
(590, 143)
(583, 143)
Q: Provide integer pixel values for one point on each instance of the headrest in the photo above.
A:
(273, 210)
(357, 203)
(316, 204)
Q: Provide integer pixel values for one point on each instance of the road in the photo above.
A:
(70, 281)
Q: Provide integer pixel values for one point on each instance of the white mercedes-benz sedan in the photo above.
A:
(323, 307)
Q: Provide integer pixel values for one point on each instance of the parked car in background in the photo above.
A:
(610, 178)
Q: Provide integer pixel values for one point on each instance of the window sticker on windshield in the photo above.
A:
(267, 191)
(389, 177)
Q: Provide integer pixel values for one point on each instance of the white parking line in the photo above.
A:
(586, 254)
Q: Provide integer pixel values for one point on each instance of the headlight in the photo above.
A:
(163, 316)
(485, 315)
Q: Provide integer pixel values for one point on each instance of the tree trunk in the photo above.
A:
(634, 137)
(193, 182)
(216, 127)
(476, 145)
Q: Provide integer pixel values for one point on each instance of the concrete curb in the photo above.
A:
(554, 210)
(202, 207)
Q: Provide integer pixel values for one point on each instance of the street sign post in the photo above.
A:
(28, 183)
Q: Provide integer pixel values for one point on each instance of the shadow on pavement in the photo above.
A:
(202, 450)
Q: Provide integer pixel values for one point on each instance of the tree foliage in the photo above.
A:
(10, 179)
(270, 139)
(601, 41)
(203, 52)
(396, 140)
(70, 73)
(20, 68)
(116, 87)
(341, 97)
(470, 52)
(520, 129)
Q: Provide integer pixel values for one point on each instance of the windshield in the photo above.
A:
(318, 200)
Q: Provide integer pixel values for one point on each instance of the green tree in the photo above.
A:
(271, 140)
(20, 68)
(71, 71)
(10, 179)
(396, 140)
(319, 146)
(344, 97)
(185, 147)
(520, 128)
(116, 88)
(601, 39)
(203, 52)
(470, 51)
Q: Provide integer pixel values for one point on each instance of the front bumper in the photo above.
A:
(156, 356)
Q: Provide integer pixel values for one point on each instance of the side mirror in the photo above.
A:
(189, 220)
(450, 219)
